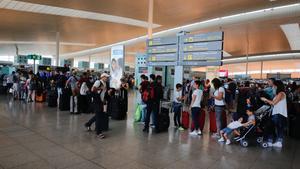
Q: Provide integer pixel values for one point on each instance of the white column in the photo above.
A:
(150, 18)
(57, 48)
(261, 69)
(178, 76)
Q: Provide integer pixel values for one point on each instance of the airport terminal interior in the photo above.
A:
(149, 84)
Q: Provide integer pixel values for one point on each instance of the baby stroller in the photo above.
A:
(256, 133)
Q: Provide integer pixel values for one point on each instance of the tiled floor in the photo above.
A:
(33, 136)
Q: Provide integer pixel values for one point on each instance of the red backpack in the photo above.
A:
(148, 94)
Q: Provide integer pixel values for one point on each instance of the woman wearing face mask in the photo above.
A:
(279, 114)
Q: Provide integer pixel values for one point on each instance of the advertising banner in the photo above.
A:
(117, 66)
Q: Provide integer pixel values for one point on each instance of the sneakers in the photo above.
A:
(193, 133)
(221, 139)
(277, 144)
(215, 135)
(146, 130)
(270, 144)
(181, 129)
(199, 132)
(88, 128)
(228, 142)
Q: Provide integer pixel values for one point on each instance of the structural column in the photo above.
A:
(261, 69)
(57, 48)
(150, 18)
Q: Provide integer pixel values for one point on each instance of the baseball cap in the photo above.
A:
(104, 75)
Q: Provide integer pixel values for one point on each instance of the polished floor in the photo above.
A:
(33, 136)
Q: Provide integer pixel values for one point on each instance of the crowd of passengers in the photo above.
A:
(239, 101)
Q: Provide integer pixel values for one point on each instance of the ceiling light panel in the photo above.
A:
(3, 3)
(52, 10)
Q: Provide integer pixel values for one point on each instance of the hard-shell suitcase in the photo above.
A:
(224, 119)
(52, 99)
(115, 108)
(163, 119)
(64, 100)
(212, 122)
(104, 122)
(185, 119)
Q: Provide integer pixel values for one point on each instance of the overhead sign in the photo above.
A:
(83, 65)
(203, 46)
(34, 57)
(46, 61)
(169, 57)
(162, 63)
(162, 41)
(212, 36)
(99, 66)
(21, 59)
(202, 63)
(117, 66)
(190, 50)
(162, 49)
(201, 49)
(202, 56)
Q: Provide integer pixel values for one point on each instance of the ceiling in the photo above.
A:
(263, 36)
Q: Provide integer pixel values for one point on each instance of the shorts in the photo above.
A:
(177, 107)
(227, 130)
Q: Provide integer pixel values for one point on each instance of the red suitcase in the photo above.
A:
(201, 121)
(185, 119)
(224, 119)
(212, 122)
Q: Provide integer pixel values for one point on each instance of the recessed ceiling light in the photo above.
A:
(272, 0)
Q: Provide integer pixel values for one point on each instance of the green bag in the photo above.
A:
(138, 113)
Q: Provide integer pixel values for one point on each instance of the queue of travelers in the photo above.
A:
(220, 98)
(224, 98)
(85, 93)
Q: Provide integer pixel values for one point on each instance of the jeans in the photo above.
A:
(195, 117)
(91, 121)
(177, 113)
(219, 110)
(73, 104)
(152, 108)
(279, 124)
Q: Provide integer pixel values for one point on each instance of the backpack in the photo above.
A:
(148, 94)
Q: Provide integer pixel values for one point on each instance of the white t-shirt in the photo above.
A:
(83, 89)
(216, 93)
(234, 125)
(176, 95)
(198, 93)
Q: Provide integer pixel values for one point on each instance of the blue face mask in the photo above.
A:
(274, 90)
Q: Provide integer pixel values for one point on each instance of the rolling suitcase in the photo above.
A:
(52, 99)
(115, 108)
(64, 100)
(105, 122)
(163, 119)
(224, 119)
(185, 119)
(212, 122)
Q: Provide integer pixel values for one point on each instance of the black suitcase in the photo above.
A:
(104, 122)
(163, 119)
(64, 100)
(52, 99)
(115, 108)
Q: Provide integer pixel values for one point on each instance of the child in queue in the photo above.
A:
(235, 125)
